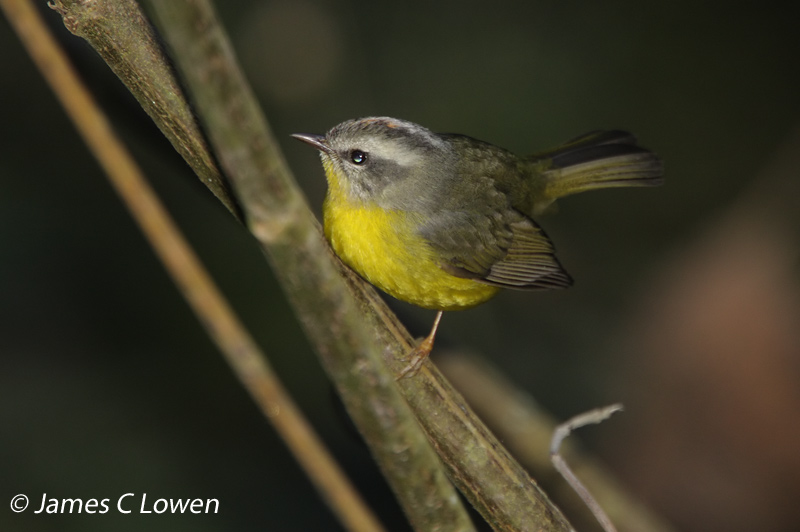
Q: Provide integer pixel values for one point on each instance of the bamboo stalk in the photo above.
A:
(239, 349)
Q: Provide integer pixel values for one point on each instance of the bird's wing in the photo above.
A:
(502, 248)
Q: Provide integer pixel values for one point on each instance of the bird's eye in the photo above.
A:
(358, 157)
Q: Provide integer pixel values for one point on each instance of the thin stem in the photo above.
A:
(597, 415)
(186, 270)
(527, 430)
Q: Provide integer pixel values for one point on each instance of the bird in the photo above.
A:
(444, 221)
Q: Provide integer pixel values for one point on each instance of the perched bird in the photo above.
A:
(444, 221)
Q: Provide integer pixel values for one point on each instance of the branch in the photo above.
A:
(124, 38)
(527, 431)
(348, 323)
(408, 461)
(182, 264)
(342, 318)
(597, 415)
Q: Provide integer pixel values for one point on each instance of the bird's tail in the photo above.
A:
(601, 159)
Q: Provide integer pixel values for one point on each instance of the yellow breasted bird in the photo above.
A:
(444, 221)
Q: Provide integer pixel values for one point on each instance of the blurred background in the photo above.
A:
(686, 304)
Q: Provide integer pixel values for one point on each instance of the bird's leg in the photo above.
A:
(422, 351)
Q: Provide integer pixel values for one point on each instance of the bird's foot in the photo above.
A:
(420, 353)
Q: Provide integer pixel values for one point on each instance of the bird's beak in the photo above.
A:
(318, 141)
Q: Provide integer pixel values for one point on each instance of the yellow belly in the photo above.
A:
(384, 249)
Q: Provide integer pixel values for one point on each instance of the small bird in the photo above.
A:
(444, 221)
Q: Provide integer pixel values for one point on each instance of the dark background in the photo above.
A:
(685, 306)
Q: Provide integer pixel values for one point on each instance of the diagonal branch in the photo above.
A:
(342, 319)
(348, 323)
(411, 465)
(198, 289)
(124, 38)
